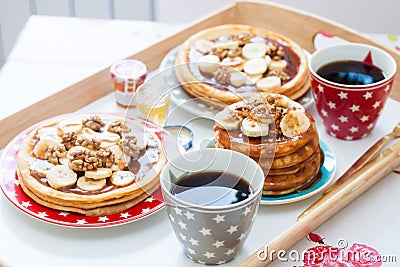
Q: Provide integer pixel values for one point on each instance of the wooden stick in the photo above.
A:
(370, 174)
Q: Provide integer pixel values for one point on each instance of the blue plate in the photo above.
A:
(328, 170)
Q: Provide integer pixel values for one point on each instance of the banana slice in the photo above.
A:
(255, 66)
(254, 128)
(41, 147)
(141, 141)
(107, 139)
(122, 178)
(278, 64)
(238, 79)
(294, 123)
(230, 44)
(89, 184)
(41, 167)
(100, 173)
(49, 133)
(227, 120)
(269, 84)
(69, 125)
(121, 160)
(286, 102)
(234, 63)
(253, 79)
(61, 176)
(208, 63)
(203, 46)
(254, 50)
(268, 60)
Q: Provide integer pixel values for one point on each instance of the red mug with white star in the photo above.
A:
(350, 84)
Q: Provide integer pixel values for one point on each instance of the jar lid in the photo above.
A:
(183, 133)
(128, 69)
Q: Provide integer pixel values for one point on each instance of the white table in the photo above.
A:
(372, 219)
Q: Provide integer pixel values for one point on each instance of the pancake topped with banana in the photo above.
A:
(90, 164)
(223, 64)
(277, 133)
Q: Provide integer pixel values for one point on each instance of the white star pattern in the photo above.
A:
(387, 88)
(149, 199)
(332, 105)
(178, 211)
(146, 210)
(182, 236)
(230, 251)
(353, 129)
(42, 214)
(364, 135)
(182, 225)
(103, 219)
(367, 95)
(189, 215)
(63, 213)
(26, 204)
(221, 262)
(342, 95)
(370, 126)
(82, 221)
(355, 108)
(218, 244)
(219, 218)
(335, 127)
(191, 251)
(246, 211)
(125, 215)
(333, 134)
(172, 218)
(201, 262)
(364, 118)
(205, 231)
(16, 182)
(343, 119)
(193, 241)
(241, 237)
(232, 229)
(349, 138)
(324, 113)
(320, 88)
(209, 255)
(376, 104)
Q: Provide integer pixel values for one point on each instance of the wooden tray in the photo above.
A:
(266, 15)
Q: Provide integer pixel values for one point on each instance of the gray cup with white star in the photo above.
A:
(212, 234)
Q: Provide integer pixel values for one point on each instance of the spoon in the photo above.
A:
(366, 157)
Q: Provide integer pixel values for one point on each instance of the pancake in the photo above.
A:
(278, 134)
(90, 164)
(240, 48)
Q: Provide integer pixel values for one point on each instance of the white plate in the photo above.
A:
(182, 99)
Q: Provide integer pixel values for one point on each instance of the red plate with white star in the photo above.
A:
(11, 188)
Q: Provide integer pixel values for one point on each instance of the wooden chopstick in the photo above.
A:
(367, 176)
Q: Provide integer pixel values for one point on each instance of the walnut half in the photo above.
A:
(83, 159)
(93, 122)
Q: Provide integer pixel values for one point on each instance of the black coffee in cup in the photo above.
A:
(351, 72)
(212, 188)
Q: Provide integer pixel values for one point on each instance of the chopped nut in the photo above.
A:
(92, 143)
(69, 139)
(244, 38)
(276, 52)
(129, 147)
(234, 52)
(118, 127)
(219, 52)
(83, 159)
(106, 157)
(222, 75)
(55, 153)
(94, 122)
(279, 73)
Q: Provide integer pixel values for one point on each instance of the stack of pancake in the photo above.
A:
(277, 133)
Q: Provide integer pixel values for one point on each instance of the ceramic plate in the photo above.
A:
(11, 188)
(328, 170)
(185, 101)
